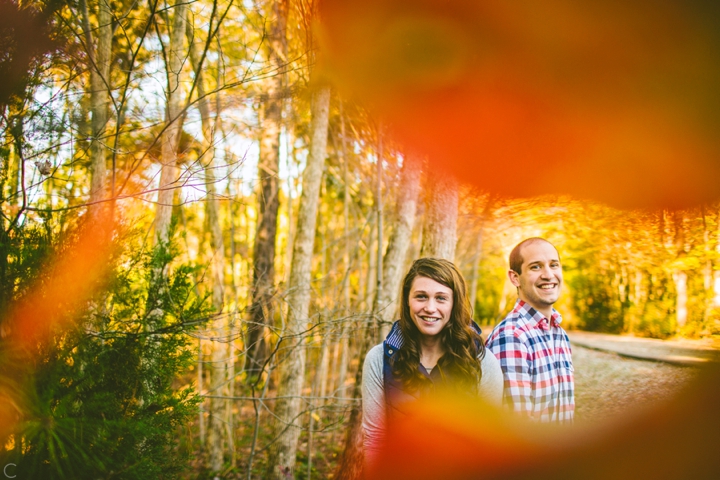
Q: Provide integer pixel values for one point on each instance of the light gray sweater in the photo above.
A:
(373, 394)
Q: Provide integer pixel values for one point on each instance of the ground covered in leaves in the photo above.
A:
(608, 386)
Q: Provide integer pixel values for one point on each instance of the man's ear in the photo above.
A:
(514, 277)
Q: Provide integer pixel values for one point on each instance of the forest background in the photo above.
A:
(200, 238)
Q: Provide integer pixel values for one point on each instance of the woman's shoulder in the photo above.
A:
(373, 366)
(375, 355)
(489, 360)
(491, 384)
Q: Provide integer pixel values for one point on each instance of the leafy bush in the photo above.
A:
(658, 321)
(100, 400)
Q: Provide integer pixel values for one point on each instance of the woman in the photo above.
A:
(434, 344)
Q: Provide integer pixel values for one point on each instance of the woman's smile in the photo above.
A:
(430, 305)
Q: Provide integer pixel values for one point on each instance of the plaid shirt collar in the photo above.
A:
(535, 318)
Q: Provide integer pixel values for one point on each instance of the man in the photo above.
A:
(532, 347)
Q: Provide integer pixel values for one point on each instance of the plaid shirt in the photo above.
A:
(536, 362)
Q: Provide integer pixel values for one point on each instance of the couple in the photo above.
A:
(525, 363)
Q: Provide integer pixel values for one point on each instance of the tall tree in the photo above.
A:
(292, 368)
(477, 257)
(399, 242)
(99, 51)
(350, 464)
(169, 174)
(716, 272)
(680, 276)
(441, 213)
(261, 310)
(219, 371)
(342, 347)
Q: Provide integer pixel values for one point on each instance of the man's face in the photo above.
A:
(540, 280)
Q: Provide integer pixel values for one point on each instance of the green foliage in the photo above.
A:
(23, 253)
(599, 306)
(656, 321)
(624, 270)
(101, 399)
(485, 308)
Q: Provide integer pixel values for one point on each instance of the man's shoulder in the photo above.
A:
(511, 327)
(514, 323)
(507, 324)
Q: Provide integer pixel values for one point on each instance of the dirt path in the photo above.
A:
(608, 385)
(679, 352)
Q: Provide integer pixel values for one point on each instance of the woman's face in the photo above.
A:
(430, 305)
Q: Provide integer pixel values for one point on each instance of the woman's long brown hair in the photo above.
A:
(462, 344)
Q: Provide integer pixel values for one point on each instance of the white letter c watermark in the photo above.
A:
(5, 470)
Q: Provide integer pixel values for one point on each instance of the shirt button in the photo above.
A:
(390, 351)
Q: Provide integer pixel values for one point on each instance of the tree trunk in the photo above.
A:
(292, 371)
(170, 140)
(474, 272)
(399, 243)
(342, 347)
(440, 227)
(716, 273)
(15, 161)
(637, 298)
(169, 153)
(379, 217)
(100, 57)
(291, 187)
(477, 258)
(680, 276)
(708, 248)
(319, 390)
(202, 429)
(212, 208)
(261, 310)
(370, 274)
(219, 372)
(217, 431)
(350, 464)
